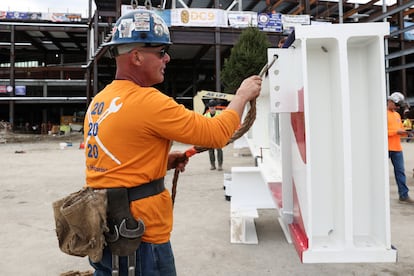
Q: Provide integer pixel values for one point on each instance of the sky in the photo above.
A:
(69, 6)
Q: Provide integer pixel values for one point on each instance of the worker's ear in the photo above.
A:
(136, 57)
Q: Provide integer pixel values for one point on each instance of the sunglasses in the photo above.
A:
(398, 104)
(161, 52)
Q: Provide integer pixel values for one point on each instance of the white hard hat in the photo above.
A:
(397, 97)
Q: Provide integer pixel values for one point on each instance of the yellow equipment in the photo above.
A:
(198, 103)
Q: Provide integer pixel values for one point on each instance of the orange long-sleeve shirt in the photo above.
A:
(394, 124)
(128, 135)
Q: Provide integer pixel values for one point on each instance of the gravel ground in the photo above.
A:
(35, 171)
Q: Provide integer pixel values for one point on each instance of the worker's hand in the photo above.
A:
(401, 132)
(250, 88)
(177, 160)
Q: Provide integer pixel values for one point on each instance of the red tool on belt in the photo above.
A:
(191, 151)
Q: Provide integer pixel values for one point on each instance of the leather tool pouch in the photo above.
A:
(80, 220)
(124, 236)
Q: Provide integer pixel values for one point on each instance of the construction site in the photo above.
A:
(307, 187)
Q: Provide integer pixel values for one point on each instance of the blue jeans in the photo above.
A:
(397, 160)
(213, 157)
(152, 260)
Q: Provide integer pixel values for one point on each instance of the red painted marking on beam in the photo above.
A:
(299, 238)
(276, 190)
(297, 227)
(297, 120)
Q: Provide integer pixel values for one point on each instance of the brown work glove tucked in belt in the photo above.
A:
(81, 222)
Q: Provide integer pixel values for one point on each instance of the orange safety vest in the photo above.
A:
(394, 124)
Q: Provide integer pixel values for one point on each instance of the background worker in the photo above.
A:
(129, 129)
(211, 112)
(281, 42)
(395, 152)
(407, 124)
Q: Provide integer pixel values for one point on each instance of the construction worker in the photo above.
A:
(408, 125)
(210, 114)
(395, 151)
(281, 42)
(129, 130)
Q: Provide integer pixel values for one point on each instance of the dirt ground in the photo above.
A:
(36, 173)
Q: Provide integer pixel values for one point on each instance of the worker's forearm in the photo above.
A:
(237, 104)
(249, 89)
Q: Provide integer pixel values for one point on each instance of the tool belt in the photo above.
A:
(125, 232)
(149, 189)
(90, 218)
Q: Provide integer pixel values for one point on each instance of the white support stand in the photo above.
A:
(329, 92)
(249, 185)
(249, 193)
(227, 186)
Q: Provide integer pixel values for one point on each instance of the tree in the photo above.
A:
(247, 57)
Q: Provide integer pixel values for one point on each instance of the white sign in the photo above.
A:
(198, 18)
(237, 19)
(290, 21)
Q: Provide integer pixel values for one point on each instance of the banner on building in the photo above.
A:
(198, 18)
(62, 17)
(270, 22)
(238, 19)
(20, 15)
(290, 21)
(54, 17)
(3, 89)
(20, 90)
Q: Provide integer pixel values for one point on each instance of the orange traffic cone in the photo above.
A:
(82, 145)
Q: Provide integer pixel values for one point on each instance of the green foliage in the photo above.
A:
(247, 57)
